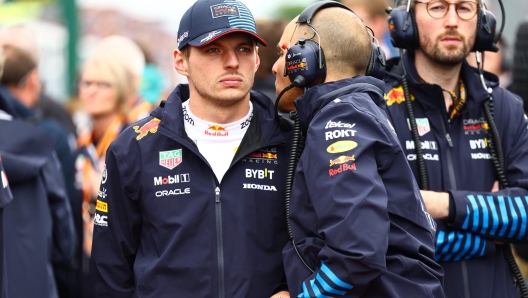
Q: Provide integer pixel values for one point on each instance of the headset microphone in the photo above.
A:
(299, 82)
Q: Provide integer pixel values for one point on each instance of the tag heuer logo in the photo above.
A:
(422, 125)
(170, 159)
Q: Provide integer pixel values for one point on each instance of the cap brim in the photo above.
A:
(209, 37)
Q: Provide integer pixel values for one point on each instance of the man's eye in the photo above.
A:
(244, 49)
(212, 50)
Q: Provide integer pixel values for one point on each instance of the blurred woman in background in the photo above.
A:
(106, 87)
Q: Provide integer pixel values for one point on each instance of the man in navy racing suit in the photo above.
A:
(357, 217)
(191, 199)
(473, 217)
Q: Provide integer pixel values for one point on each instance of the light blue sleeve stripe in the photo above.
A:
(520, 205)
(301, 296)
(445, 250)
(475, 248)
(333, 277)
(504, 215)
(485, 214)
(494, 215)
(475, 208)
(466, 248)
(440, 238)
(515, 219)
(305, 291)
(483, 248)
(327, 287)
(316, 290)
(466, 221)
(455, 249)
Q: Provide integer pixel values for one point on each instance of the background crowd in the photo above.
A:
(122, 73)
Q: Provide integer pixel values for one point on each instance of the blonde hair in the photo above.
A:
(118, 74)
(124, 49)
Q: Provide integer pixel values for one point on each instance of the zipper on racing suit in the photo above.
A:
(219, 243)
(452, 180)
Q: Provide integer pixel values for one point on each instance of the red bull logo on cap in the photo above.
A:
(396, 95)
(151, 126)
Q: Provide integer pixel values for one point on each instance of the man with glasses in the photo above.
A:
(438, 113)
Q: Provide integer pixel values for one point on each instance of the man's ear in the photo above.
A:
(257, 59)
(33, 80)
(180, 64)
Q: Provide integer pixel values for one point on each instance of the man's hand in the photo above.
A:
(437, 203)
(281, 294)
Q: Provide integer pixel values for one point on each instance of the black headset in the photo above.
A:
(301, 58)
(404, 32)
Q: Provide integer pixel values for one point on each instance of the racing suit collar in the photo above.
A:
(171, 114)
(319, 96)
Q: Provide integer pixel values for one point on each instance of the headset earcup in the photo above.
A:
(485, 36)
(303, 59)
(376, 66)
(403, 29)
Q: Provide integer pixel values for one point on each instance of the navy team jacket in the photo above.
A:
(164, 225)
(356, 214)
(458, 161)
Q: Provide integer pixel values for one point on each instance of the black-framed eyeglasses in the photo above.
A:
(439, 8)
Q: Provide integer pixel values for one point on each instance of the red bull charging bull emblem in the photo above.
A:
(151, 126)
(396, 95)
(341, 160)
(217, 131)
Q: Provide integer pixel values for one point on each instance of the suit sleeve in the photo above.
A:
(350, 200)
(117, 227)
(502, 215)
(61, 212)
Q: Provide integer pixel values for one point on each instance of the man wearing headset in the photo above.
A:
(449, 142)
(191, 200)
(358, 223)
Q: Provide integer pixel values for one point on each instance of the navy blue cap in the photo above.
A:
(207, 20)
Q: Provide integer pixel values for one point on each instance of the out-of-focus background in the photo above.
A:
(67, 30)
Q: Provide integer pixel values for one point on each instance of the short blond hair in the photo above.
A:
(118, 74)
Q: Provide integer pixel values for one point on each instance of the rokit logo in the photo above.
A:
(259, 174)
(173, 192)
(259, 186)
(337, 134)
(181, 178)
